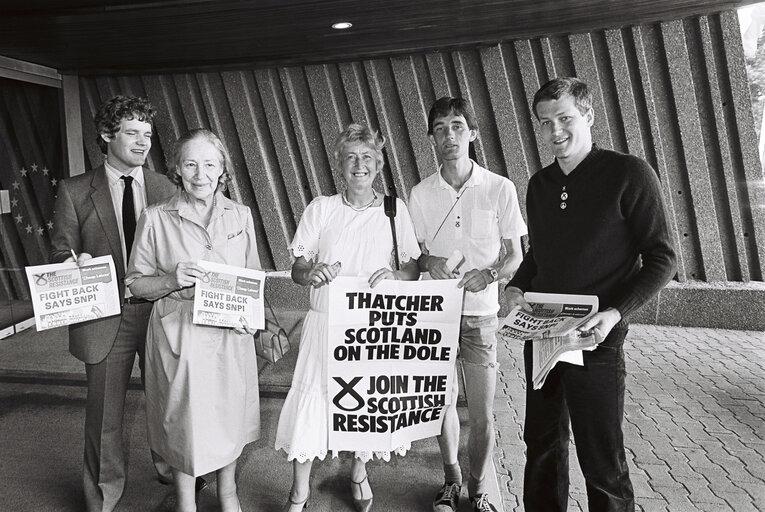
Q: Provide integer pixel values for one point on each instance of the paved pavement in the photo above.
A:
(695, 431)
(695, 421)
(42, 401)
(41, 447)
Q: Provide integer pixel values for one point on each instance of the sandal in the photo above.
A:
(362, 505)
(302, 504)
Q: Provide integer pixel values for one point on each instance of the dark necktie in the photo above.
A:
(128, 216)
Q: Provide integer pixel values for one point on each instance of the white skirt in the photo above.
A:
(303, 432)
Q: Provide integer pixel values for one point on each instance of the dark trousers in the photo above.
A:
(105, 466)
(591, 397)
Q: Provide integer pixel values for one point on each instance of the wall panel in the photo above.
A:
(674, 93)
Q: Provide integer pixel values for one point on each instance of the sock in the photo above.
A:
(453, 473)
(476, 487)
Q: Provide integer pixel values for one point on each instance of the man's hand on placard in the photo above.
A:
(437, 268)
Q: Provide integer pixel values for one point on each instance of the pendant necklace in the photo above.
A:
(563, 197)
(359, 208)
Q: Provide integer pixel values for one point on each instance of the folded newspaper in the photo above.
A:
(552, 327)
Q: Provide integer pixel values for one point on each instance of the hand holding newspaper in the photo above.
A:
(552, 327)
(68, 293)
(228, 296)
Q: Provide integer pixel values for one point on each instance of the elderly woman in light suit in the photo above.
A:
(201, 382)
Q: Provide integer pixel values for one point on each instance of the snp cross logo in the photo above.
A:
(42, 279)
(348, 390)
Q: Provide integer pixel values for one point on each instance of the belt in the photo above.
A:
(136, 300)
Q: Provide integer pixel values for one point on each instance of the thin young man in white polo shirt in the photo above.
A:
(467, 208)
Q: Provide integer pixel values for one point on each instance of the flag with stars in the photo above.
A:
(32, 196)
(31, 164)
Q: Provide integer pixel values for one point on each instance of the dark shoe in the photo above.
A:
(198, 485)
(448, 498)
(361, 504)
(481, 503)
(301, 504)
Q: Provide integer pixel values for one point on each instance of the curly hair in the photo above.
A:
(356, 132)
(447, 105)
(114, 110)
(558, 87)
(173, 165)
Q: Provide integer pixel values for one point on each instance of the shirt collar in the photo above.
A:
(113, 175)
(180, 203)
(476, 177)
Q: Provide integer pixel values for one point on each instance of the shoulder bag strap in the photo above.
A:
(389, 203)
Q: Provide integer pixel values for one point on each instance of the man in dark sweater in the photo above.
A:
(597, 226)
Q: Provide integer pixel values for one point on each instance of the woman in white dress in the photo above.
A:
(346, 234)
(202, 403)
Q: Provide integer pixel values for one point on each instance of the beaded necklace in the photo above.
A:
(359, 208)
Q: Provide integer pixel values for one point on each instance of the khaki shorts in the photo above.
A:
(478, 340)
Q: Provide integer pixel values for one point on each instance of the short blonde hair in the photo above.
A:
(356, 132)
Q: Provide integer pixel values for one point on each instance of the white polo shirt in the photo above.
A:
(485, 211)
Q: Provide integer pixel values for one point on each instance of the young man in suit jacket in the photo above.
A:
(95, 217)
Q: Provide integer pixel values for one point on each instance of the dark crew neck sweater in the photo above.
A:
(611, 239)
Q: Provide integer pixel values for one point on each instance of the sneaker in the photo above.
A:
(481, 503)
(447, 498)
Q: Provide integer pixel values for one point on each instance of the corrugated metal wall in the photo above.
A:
(674, 93)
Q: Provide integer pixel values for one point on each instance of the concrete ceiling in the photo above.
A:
(99, 37)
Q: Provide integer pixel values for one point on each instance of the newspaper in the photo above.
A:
(552, 328)
(226, 294)
(64, 293)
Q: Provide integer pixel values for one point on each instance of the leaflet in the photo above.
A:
(65, 294)
(552, 328)
(226, 295)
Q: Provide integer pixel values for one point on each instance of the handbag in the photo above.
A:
(272, 342)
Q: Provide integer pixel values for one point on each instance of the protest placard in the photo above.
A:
(225, 295)
(64, 294)
(391, 355)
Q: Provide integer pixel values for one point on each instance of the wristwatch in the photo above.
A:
(494, 274)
